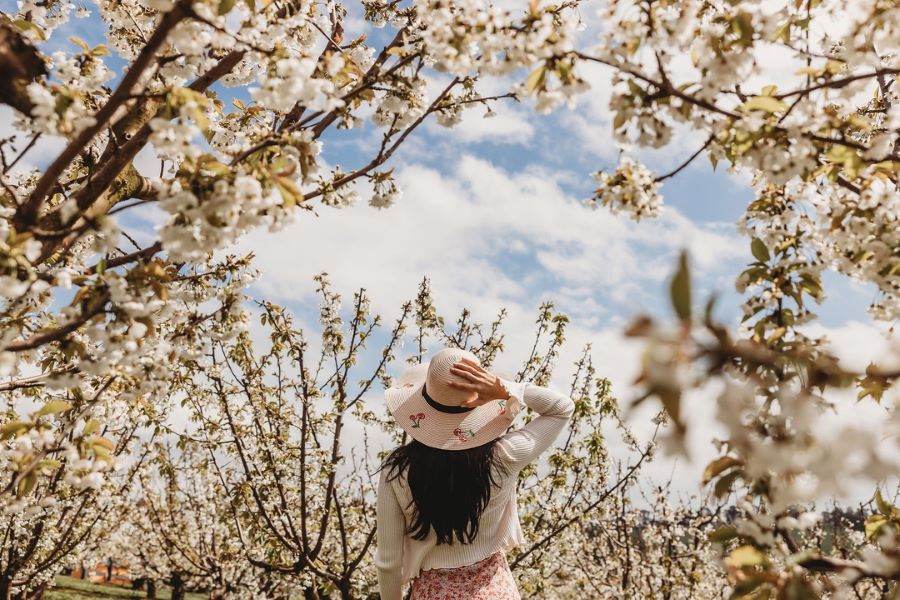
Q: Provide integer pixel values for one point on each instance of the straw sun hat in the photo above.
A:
(430, 411)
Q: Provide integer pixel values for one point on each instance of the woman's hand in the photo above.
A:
(486, 385)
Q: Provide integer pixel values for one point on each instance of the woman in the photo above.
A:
(447, 500)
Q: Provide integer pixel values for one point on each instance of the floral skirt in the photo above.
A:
(488, 579)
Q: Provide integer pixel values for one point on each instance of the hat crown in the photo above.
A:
(439, 376)
(426, 422)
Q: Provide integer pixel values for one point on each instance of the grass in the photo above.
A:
(68, 588)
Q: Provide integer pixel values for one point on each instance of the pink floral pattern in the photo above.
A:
(463, 435)
(489, 579)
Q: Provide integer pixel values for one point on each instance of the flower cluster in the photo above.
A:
(68, 117)
(631, 189)
(217, 217)
(477, 36)
(290, 81)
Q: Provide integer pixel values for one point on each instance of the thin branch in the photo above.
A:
(385, 155)
(684, 165)
(45, 337)
(838, 83)
(27, 213)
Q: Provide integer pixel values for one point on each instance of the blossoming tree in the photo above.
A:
(821, 143)
(98, 321)
(295, 446)
(179, 532)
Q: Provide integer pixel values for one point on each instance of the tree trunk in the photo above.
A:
(37, 594)
(109, 570)
(177, 587)
(5, 588)
(151, 589)
(311, 593)
(345, 589)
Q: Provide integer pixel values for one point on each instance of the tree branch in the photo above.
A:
(27, 213)
(95, 307)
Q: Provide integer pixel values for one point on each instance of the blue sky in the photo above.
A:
(493, 213)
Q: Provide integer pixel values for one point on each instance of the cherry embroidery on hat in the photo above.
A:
(416, 419)
(463, 436)
(502, 407)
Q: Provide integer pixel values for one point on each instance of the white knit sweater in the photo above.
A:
(399, 558)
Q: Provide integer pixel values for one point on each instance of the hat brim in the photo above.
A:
(447, 431)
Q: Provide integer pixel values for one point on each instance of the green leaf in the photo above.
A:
(717, 466)
(225, 6)
(54, 407)
(742, 25)
(724, 484)
(101, 442)
(753, 312)
(680, 289)
(26, 484)
(536, 78)
(91, 426)
(635, 89)
(290, 195)
(870, 387)
(49, 464)
(759, 250)
(746, 587)
(783, 33)
(13, 428)
(811, 283)
(884, 507)
(210, 164)
(23, 25)
(745, 556)
(722, 534)
(874, 525)
(764, 103)
(80, 43)
(102, 453)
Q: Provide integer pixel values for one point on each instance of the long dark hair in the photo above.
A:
(450, 488)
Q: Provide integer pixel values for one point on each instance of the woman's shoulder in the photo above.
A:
(505, 453)
(391, 476)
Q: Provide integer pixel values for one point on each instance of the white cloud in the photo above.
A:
(510, 123)
(856, 344)
(507, 126)
(486, 238)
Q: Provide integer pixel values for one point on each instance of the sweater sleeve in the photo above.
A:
(389, 551)
(554, 412)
